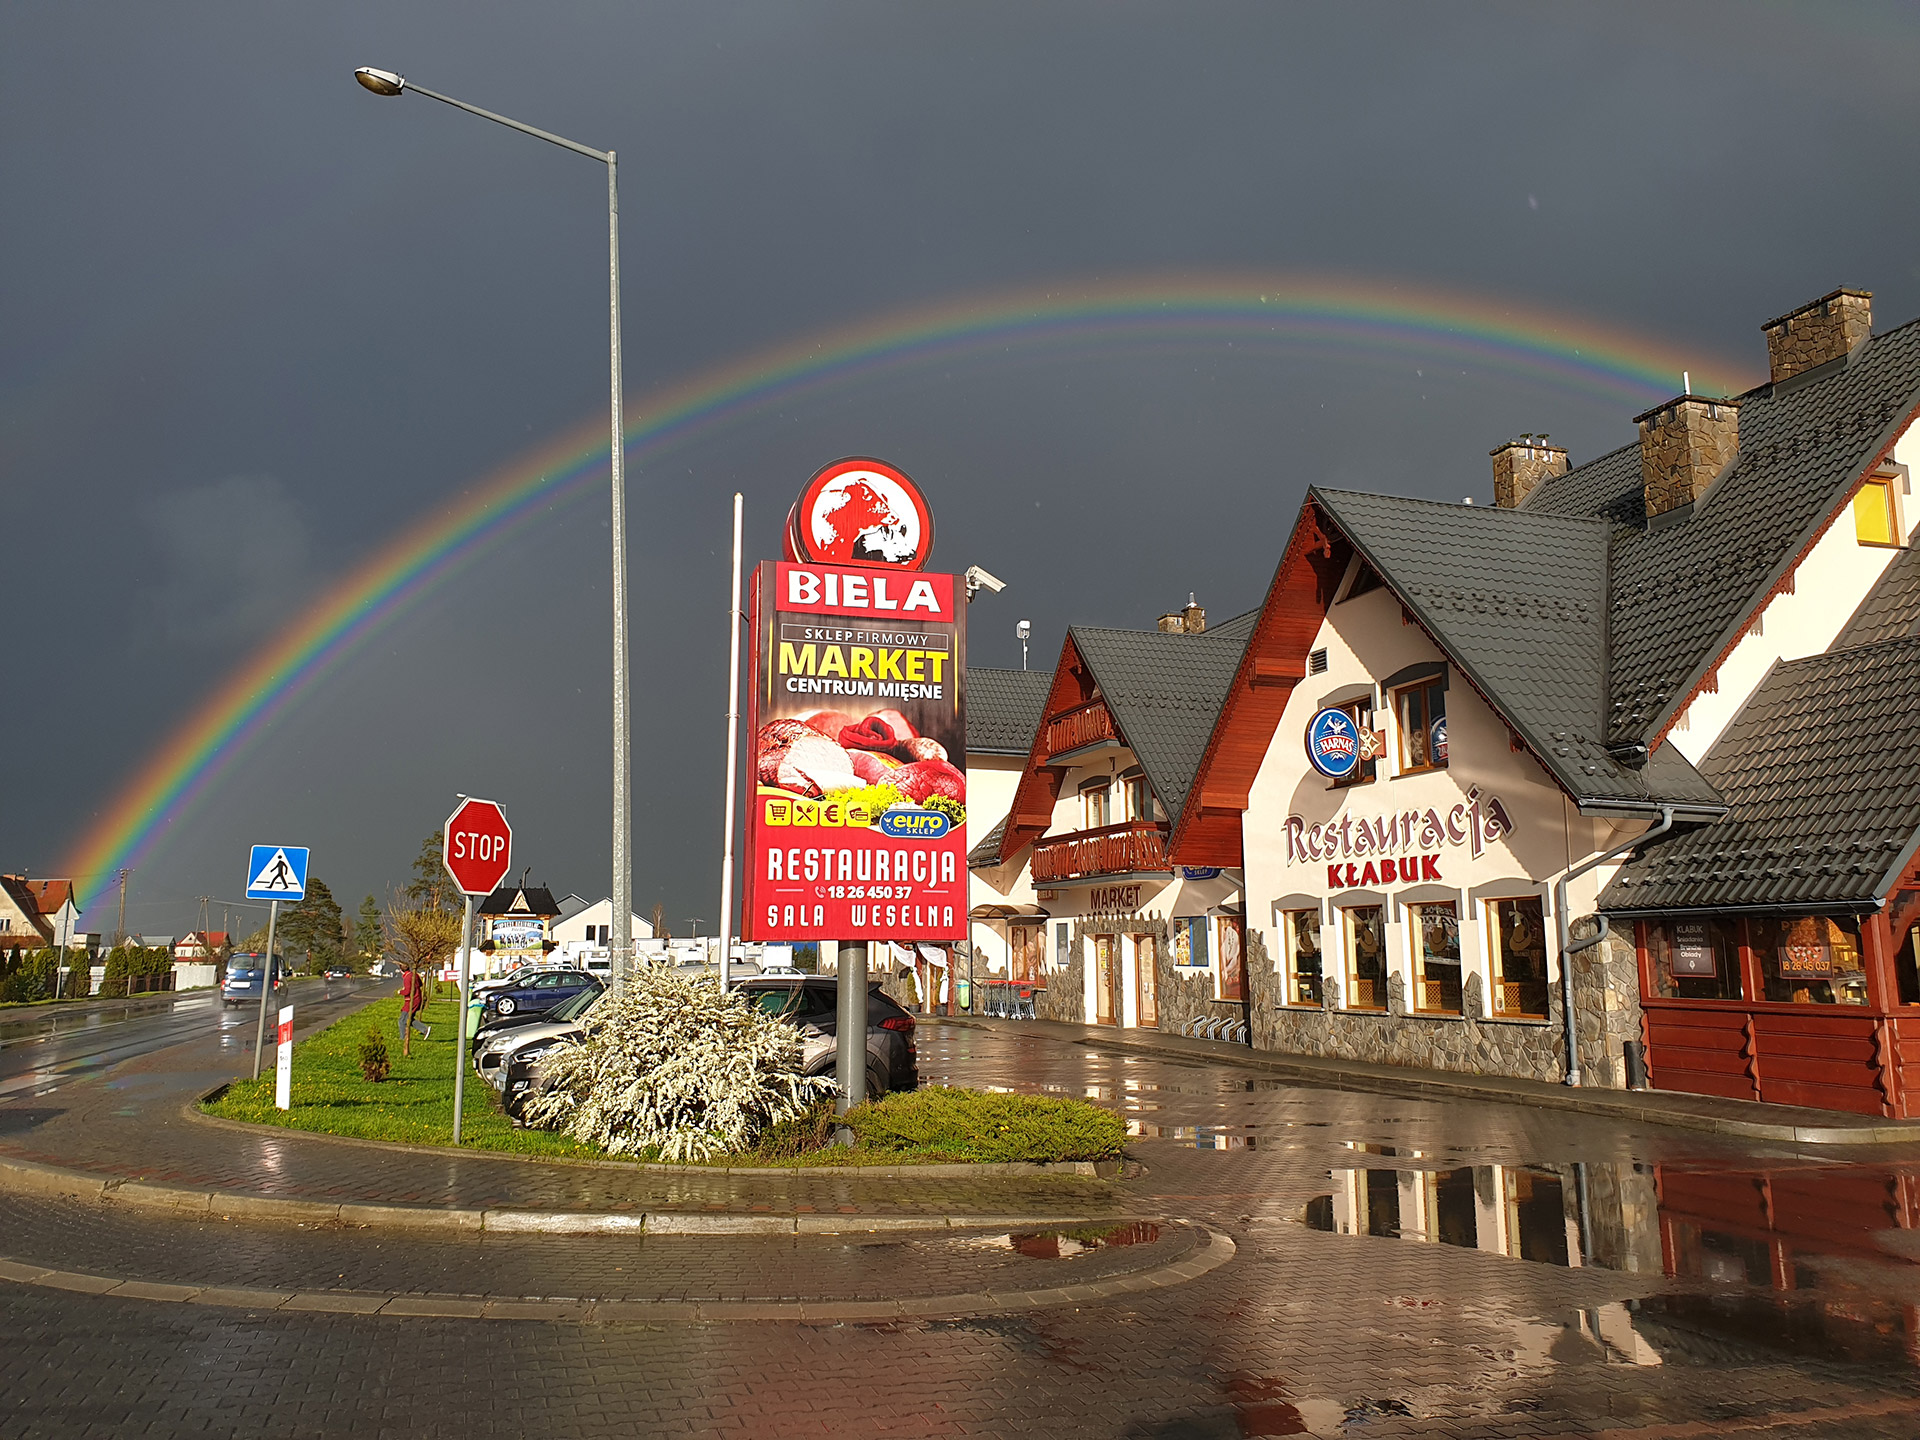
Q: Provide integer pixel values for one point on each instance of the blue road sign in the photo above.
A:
(277, 872)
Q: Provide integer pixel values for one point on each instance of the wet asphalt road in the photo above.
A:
(46, 1047)
(1404, 1268)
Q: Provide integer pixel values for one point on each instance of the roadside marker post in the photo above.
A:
(477, 848)
(274, 873)
(283, 1077)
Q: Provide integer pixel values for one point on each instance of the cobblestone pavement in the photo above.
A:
(1404, 1268)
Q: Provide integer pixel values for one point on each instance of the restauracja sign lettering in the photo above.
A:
(1476, 823)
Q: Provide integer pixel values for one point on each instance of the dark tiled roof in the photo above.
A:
(1822, 770)
(1518, 600)
(1681, 592)
(1239, 627)
(539, 901)
(1003, 709)
(986, 854)
(1164, 692)
(1891, 610)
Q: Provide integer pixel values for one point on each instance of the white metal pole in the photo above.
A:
(733, 748)
(622, 809)
(460, 1024)
(266, 985)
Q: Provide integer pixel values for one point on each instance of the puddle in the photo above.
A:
(1065, 1244)
(1808, 1260)
(1508, 1210)
(1199, 1137)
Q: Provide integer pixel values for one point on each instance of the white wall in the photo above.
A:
(1366, 640)
(573, 929)
(1828, 586)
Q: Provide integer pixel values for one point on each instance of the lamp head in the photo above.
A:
(1023, 629)
(380, 82)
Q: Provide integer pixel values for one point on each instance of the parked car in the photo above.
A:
(538, 992)
(812, 1002)
(569, 1009)
(336, 973)
(495, 1059)
(244, 970)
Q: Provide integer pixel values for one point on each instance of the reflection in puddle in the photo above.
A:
(1065, 1244)
(1200, 1137)
(1815, 1260)
(1508, 1210)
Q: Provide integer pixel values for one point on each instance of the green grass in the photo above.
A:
(414, 1105)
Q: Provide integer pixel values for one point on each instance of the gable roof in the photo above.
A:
(49, 895)
(1003, 709)
(986, 854)
(1517, 600)
(1164, 692)
(532, 900)
(1821, 769)
(1682, 593)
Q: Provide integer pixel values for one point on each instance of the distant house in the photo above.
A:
(22, 925)
(202, 945)
(55, 901)
(591, 929)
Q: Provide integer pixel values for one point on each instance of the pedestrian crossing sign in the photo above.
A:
(277, 872)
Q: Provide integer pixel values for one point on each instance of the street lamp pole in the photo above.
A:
(388, 82)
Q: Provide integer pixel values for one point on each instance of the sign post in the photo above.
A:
(856, 815)
(274, 873)
(477, 849)
(283, 1076)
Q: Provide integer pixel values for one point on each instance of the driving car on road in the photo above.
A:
(242, 981)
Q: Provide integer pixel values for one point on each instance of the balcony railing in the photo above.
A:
(1113, 850)
(1088, 725)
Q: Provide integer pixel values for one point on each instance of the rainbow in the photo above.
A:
(1322, 315)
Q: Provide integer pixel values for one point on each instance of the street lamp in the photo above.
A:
(1023, 630)
(388, 82)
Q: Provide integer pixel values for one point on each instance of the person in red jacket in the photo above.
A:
(413, 999)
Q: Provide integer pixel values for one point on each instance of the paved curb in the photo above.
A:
(1083, 1169)
(1216, 1249)
(1635, 1105)
(30, 1177)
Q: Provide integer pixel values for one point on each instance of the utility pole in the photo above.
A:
(120, 931)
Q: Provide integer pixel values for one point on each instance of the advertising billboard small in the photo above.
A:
(857, 787)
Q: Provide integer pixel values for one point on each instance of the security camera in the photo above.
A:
(976, 577)
(1023, 629)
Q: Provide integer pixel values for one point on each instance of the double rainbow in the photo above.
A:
(1325, 316)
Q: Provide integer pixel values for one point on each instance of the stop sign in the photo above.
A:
(477, 846)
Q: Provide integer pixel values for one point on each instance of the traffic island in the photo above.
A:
(946, 1131)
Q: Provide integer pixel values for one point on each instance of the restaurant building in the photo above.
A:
(1612, 780)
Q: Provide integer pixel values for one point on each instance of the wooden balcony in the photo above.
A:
(1138, 845)
(1090, 724)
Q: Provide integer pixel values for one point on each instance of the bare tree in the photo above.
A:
(422, 936)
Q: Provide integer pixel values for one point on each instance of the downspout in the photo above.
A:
(1568, 949)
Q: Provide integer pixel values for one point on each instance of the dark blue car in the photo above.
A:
(541, 993)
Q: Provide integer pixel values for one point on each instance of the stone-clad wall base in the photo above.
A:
(1065, 996)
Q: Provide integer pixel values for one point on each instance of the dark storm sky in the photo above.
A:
(255, 322)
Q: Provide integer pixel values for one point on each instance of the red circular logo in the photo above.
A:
(861, 511)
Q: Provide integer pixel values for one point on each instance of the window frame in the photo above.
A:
(1889, 511)
(1426, 689)
(1351, 957)
(1497, 955)
(1133, 785)
(1417, 935)
(1293, 974)
(1088, 789)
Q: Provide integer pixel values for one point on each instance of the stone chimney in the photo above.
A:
(1684, 444)
(1190, 621)
(1521, 464)
(1824, 330)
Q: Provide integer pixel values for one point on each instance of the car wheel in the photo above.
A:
(876, 1081)
(506, 1006)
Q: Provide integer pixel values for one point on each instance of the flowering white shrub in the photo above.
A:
(671, 1063)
